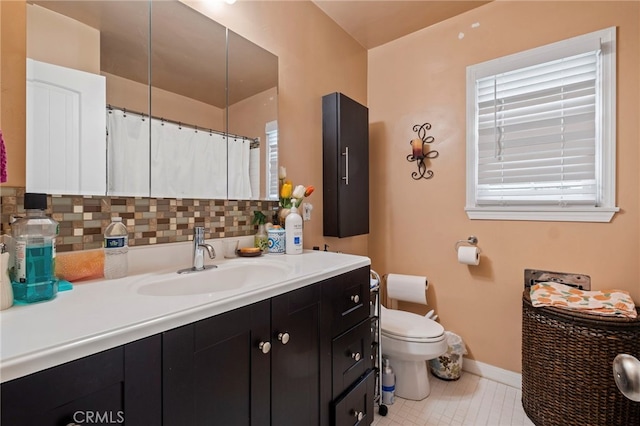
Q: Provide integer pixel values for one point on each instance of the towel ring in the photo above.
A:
(472, 241)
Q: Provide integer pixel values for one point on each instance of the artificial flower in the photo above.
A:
(308, 191)
(285, 191)
(291, 196)
(298, 192)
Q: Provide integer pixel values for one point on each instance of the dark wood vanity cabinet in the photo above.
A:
(215, 371)
(118, 386)
(256, 365)
(300, 358)
(348, 384)
(345, 147)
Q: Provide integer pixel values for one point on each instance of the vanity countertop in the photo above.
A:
(101, 314)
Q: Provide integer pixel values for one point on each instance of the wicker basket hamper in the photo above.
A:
(567, 375)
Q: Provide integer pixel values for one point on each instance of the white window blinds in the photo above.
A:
(271, 130)
(537, 134)
(541, 133)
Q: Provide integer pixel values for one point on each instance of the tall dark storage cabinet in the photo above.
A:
(345, 142)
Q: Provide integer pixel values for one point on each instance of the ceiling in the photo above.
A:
(376, 22)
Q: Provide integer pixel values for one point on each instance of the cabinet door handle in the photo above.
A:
(345, 154)
(359, 415)
(284, 338)
(355, 298)
(356, 356)
(265, 347)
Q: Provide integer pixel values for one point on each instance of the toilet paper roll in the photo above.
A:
(468, 255)
(408, 288)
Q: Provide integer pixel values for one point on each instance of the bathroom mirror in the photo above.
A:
(170, 68)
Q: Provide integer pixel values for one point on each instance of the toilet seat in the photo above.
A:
(410, 327)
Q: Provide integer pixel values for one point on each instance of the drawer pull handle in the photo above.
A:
(284, 338)
(356, 356)
(359, 415)
(265, 347)
(355, 298)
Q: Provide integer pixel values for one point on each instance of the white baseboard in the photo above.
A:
(490, 372)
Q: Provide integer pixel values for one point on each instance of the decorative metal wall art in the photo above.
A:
(421, 150)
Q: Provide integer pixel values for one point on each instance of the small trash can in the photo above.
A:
(449, 365)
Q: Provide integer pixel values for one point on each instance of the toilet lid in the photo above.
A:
(409, 326)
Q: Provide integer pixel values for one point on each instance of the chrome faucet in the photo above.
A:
(197, 260)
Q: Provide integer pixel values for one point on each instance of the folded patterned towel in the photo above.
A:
(604, 302)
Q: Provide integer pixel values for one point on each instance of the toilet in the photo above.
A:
(409, 340)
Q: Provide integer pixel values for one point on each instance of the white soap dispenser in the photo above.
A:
(293, 232)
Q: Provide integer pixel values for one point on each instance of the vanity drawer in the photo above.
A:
(356, 406)
(351, 354)
(347, 297)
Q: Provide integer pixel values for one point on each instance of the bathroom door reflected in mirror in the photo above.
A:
(68, 42)
(169, 79)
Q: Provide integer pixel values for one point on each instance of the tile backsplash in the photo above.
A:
(83, 219)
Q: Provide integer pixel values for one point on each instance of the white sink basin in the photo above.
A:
(226, 277)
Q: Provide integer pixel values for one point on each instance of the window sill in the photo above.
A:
(543, 214)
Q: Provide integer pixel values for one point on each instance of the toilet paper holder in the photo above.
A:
(472, 241)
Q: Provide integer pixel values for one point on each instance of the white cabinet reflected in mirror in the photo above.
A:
(190, 108)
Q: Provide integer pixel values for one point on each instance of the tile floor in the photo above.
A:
(470, 400)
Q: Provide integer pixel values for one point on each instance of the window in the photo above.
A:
(271, 129)
(541, 133)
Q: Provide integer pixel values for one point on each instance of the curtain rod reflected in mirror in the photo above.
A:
(255, 142)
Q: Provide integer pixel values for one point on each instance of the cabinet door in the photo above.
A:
(295, 362)
(345, 144)
(214, 371)
(115, 386)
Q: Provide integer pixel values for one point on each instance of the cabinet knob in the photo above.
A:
(359, 415)
(284, 338)
(355, 298)
(356, 356)
(265, 347)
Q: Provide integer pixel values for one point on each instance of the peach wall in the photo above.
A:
(13, 88)
(421, 78)
(262, 108)
(315, 57)
(60, 40)
(125, 93)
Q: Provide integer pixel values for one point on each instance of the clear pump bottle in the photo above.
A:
(33, 277)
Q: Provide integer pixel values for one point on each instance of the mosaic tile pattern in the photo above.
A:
(83, 219)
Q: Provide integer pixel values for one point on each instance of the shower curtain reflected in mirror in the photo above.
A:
(186, 162)
(127, 154)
